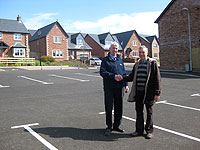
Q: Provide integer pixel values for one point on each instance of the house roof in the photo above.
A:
(44, 31)
(19, 45)
(100, 39)
(148, 38)
(32, 32)
(13, 26)
(164, 11)
(124, 37)
(72, 41)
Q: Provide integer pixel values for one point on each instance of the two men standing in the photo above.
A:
(145, 90)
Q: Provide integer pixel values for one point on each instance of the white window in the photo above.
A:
(107, 44)
(155, 45)
(79, 41)
(19, 52)
(134, 43)
(1, 35)
(17, 36)
(57, 39)
(155, 55)
(135, 53)
(57, 53)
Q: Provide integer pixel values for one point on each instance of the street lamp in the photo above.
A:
(189, 37)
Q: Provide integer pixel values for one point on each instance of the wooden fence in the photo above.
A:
(22, 61)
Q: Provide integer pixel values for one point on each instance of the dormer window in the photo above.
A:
(17, 36)
(79, 41)
(57, 39)
(1, 35)
(155, 45)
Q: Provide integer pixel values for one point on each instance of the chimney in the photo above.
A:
(19, 19)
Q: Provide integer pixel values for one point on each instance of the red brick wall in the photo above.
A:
(63, 46)
(130, 45)
(38, 48)
(97, 50)
(8, 38)
(173, 34)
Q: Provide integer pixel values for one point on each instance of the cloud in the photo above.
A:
(39, 20)
(141, 22)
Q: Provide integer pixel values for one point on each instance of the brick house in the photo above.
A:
(174, 23)
(51, 40)
(152, 43)
(78, 48)
(13, 38)
(130, 42)
(100, 43)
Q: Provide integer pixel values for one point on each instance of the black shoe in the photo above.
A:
(135, 134)
(118, 130)
(107, 132)
(149, 135)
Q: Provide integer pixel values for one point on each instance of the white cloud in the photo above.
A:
(141, 22)
(39, 20)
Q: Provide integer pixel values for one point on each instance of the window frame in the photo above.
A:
(58, 53)
(19, 51)
(55, 39)
(17, 36)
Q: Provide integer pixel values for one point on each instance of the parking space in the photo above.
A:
(64, 109)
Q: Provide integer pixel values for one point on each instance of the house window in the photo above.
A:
(107, 44)
(57, 39)
(19, 52)
(17, 36)
(134, 43)
(155, 45)
(57, 53)
(135, 53)
(79, 41)
(155, 55)
(1, 35)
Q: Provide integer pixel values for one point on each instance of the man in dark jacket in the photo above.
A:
(111, 68)
(145, 91)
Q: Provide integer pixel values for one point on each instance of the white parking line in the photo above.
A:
(2, 86)
(164, 129)
(53, 75)
(195, 94)
(88, 75)
(181, 106)
(37, 136)
(35, 80)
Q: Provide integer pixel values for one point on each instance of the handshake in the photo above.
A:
(118, 77)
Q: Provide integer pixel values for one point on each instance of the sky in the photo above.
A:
(87, 16)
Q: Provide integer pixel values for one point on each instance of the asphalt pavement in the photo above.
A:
(64, 109)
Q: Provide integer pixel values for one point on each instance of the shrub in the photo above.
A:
(129, 60)
(47, 59)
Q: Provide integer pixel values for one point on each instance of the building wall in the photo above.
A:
(173, 34)
(97, 50)
(154, 49)
(63, 46)
(38, 48)
(8, 38)
(130, 45)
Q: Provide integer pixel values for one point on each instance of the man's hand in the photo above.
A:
(118, 77)
(156, 98)
(126, 89)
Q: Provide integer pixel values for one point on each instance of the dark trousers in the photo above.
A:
(113, 97)
(139, 106)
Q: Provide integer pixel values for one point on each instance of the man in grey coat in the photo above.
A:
(145, 91)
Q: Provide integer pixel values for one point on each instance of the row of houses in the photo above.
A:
(53, 40)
